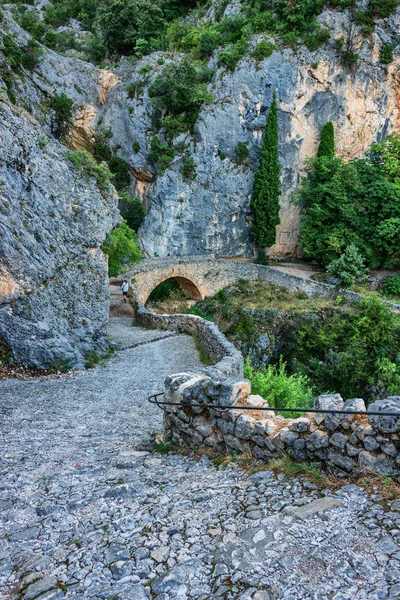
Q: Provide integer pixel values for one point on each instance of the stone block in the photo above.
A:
(233, 391)
(378, 463)
(244, 427)
(370, 443)
(351, 404)
(312, 509)
(301, 425)
(385, 424)
(329, 402)
(233, 442)
(389, 448)
(299, 444)
(319, 439)
(288, 437)
(344, 462)
(258, 440)
(352, 450)
(338, 439)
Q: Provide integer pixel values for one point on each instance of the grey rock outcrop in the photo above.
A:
(53, 275)
(54, 293)
(211, 214)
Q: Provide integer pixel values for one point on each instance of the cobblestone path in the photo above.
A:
(86, 511)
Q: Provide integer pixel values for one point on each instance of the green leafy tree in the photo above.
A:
(181, 89)
(125, 22)
(354, 352)
(327, 141)
(62, 106)
(121, 248)
(391, 286)
(348, 266)
(131, 209)
(386, 156)
(266, 192)
(120, 169)
(353, 203)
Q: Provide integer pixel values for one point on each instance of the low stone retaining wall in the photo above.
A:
(227, 360)
(344, 444)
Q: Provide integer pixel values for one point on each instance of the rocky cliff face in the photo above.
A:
(53, 275)
(211, 214)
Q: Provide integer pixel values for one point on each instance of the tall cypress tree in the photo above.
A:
(327, 142)
(266, 191)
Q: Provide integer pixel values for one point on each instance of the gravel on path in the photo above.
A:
(87, 512)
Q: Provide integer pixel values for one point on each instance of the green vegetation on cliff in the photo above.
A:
(121, 248)
(138, 27)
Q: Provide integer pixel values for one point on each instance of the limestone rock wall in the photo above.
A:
(211, 214)
(54, 293)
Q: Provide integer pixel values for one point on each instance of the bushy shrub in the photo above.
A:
(181, 89)
(382, 8)
(263, 50)
(131, 209)
(102, 151)
(241, 152)
(120, 169)
(349, 58)
(280, 389)
(386, 54)
(29, 21)
(11, 51)
(121, 248)
(62, 106)
(188, 169)
(391, 286)
(162, 154)
(348, 267)
(85, 162)
(317, 38)
(175, 125)
(135, 147)
(231, 56)
(59, 12)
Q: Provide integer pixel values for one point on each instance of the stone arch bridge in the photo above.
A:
(204, 276)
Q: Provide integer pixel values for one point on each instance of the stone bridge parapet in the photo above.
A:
(204, 276)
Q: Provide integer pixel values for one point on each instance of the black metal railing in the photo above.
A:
(154, 399)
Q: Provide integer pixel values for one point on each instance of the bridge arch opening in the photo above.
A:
(167, 286)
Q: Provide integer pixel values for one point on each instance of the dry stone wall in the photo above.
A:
(346, 444)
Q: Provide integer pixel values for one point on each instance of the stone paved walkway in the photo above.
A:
(86, 511)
